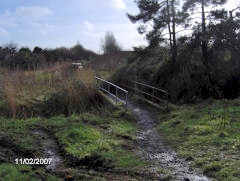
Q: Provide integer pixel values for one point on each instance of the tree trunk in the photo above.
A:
(169, 26)
(174, 44)
(204, 40)
(205, 51)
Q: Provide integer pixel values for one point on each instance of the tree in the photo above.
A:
(203, 34)
(161, 16)
(226, 33)
(224, 52)
(11, 48)
(25, 52)
(193, 5)
(37, 50)
(109, 44)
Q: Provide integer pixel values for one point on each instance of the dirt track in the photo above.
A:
(154, 148)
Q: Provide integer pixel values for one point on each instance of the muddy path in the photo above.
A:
(62, 165)
(49, 150)
(155, 149)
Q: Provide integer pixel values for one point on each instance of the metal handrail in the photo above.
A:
(112, 84)
(146, 85)
(108, 90)
(152, 92)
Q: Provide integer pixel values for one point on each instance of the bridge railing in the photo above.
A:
(118, 93)
(152, 93)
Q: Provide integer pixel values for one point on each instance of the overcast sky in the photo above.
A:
(57, 23)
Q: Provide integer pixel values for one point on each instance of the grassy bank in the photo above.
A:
(102, 142)
(207, 134)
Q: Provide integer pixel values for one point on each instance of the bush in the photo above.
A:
(188, 80)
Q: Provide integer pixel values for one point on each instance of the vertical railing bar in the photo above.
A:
(167, 102)
(126, 103)
(153, 90)
(105, 86)
(116, 94)
(152, 94)
(96, 83)
(135, 87)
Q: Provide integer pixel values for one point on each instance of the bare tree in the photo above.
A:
(109, 44)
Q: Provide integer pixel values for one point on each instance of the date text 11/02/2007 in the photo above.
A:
(33, 161)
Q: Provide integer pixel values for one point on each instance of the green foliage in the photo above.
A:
(24, 59)
(22, 173)
(187, 80)
(199, 138)
(123, 129)
(15, 173)
(91, 136)
(99, 141)
(206, 61)
(80, 141)
(164, 17)
(17, 130)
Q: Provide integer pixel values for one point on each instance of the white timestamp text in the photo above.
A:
(33, 161)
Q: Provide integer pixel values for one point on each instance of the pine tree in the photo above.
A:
(161, 16)
(192, 5)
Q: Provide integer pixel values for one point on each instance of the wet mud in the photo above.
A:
(50, 150)
(154, 148)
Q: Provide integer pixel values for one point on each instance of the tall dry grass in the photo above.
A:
(53, 90)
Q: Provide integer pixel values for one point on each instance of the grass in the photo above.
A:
(207, 134)
(23, 172)
(28, 93)
(104, 137)
(101, 141)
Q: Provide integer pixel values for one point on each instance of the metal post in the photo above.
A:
(167, 102)
(152, 94)
(126, 102)
(116, 94)
(135, 87)
(107, 89)
(97, 83)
